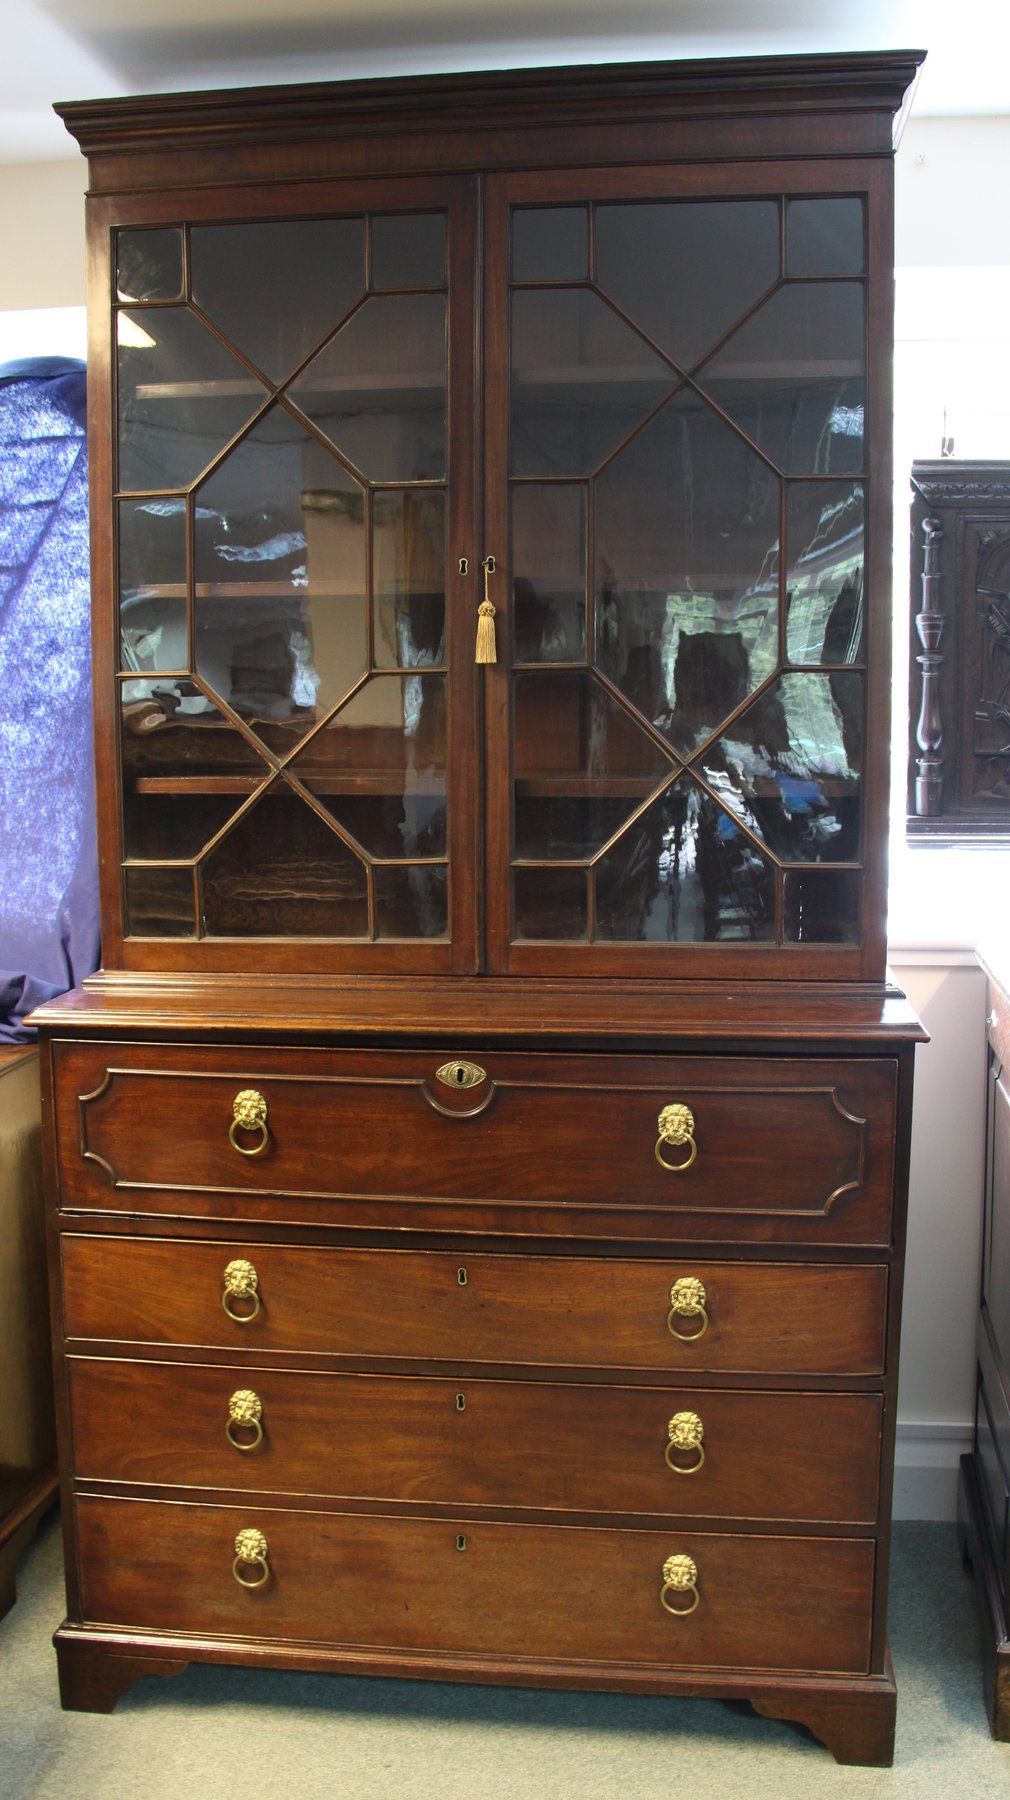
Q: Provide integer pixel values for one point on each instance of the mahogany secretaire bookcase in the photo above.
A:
(477, 1178)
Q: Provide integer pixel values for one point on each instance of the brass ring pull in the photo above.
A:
(251, 1552)
(241, 1282)
(249, 1113)
(687, 1301)
(676, 1126)
(686, 1432)
(680, 1576)
(245, 1413)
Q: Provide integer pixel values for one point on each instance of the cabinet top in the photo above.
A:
(860, 92)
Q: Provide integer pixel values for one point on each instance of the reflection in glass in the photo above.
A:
(549, 572)
(274, 288)
(684, 271)
(687, 526)
(824, 572)
(149, 264)
(582, 766)
(151, 542)
(408, 250)
(280, 572)
(684, 873)
(550, 903)
(789, 767)
(822, 906)
(378, 389)
(182, 398)
(412, 902)
(792, 378)
(581, 381)
(824, 237)
(158, 825)
(550, 243)
(283, 873)
(159, 903)
(408, 577)
(379, 766)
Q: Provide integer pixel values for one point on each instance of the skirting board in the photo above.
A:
(926, 1469)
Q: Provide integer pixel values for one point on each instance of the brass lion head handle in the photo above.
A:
(241, 1282)
(249, 1114)
(687, 1301)
(685, 1434)
(245, 1414)
(251, 1552)
(680, 1576)
(676, 1127)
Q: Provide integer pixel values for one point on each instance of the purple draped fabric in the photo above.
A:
(48, 859)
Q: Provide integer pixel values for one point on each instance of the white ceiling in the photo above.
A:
(89, 49)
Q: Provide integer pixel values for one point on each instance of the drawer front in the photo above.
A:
(529, 1591)
(776, 1149)
(490, 1443)
(399, 1305)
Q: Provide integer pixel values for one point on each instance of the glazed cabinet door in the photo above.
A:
(686, 703)
(293, 492)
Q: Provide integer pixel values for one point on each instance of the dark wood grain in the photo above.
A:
(803, 1319)
(507, 1590)
(504, 1444)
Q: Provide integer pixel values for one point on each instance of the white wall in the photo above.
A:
(953, 361)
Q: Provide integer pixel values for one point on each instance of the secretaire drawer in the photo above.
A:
(515, 1590)
(685, 1315)
(541, 1446)
(759, 1149)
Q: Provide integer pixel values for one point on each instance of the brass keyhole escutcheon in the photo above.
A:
(460, 1074)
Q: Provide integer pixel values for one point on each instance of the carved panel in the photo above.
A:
(959, 659)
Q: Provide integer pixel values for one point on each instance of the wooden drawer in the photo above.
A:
(487, 1443)
(530, 1591)
(787, 1149)
(423, 1306)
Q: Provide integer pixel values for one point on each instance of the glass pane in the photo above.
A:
(822, 907)
(684, 271)
(182, 398)
(152, 585)
(283, 873)
(159, 903)
(276, 287)
(408, 575)
(280, 573)
(550, 903)
(173, 825)
(790, 767)
(149, 264)
(687, 525)
(581, 381)
(824, 237)
(684, 873)
(408, 250)
(549, 573)
(172, 731)
(412, 902)
(379, 766)
(792, 378)
(550, 243)
(581, 766)
(824, 572)
(378, 389)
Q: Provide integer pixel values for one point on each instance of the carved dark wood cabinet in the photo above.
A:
(478, 1174)
(959, 723)
(985, 1474)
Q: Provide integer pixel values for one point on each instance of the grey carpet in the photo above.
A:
(214, 1732)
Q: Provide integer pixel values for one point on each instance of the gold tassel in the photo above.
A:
(486, 650)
